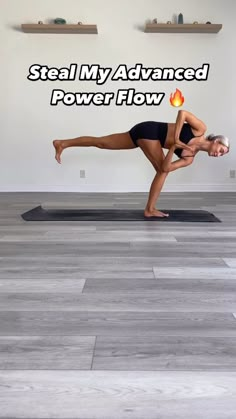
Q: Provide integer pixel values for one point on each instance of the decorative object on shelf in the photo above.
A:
(40, 22)
(195, 23)
(154, 20)
(80, 23)
(59, 21)
(168, 22)
(208, 23)
(180, 19)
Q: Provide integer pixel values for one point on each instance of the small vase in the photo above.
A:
(59, 21)
(180, 19)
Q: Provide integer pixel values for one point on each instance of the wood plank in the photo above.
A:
(118, 394)
(182, 28)
(116, 323)
(119, 249)
(56, 28)
(46, 352)
(194, 272)
(165, 353)
(147, 301)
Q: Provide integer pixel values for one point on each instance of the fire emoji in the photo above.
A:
(177, 99)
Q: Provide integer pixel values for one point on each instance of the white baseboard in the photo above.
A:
(117, 188)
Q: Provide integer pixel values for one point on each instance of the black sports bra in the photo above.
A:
(186, 135)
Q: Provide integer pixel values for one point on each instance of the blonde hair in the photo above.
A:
(220, 139)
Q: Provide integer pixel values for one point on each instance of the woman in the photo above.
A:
(152, 137)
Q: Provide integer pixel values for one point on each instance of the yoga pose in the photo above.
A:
(186, 137)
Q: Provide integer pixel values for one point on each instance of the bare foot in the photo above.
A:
(59, 149)
(155, 213)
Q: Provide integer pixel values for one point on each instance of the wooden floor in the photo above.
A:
(117, 320)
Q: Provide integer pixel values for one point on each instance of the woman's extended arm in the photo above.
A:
(168, 159)
(169, 166)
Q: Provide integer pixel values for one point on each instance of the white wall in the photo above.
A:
(29, 123)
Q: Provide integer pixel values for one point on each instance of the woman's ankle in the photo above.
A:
(63, 144)
(149, 208)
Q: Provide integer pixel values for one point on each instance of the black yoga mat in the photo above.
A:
(41, 214)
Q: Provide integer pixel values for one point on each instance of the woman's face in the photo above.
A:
(216, 149)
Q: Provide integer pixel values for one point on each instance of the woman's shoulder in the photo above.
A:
(197, 132)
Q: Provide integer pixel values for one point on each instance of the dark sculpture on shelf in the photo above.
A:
(180, 19)
(59, 21)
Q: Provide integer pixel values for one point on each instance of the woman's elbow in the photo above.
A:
(181, 112)
(204, 128)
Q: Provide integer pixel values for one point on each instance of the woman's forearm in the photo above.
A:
(167, 160)
(179, 124)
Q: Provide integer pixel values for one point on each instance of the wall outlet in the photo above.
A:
(232, 174)
(82, 173)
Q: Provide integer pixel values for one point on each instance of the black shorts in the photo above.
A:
(149, 130)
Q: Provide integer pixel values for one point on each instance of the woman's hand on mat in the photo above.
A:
(155, 213)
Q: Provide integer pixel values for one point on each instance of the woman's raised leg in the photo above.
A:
(120, 141)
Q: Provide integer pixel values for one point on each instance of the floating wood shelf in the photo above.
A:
(57, 28)
(183, 28)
